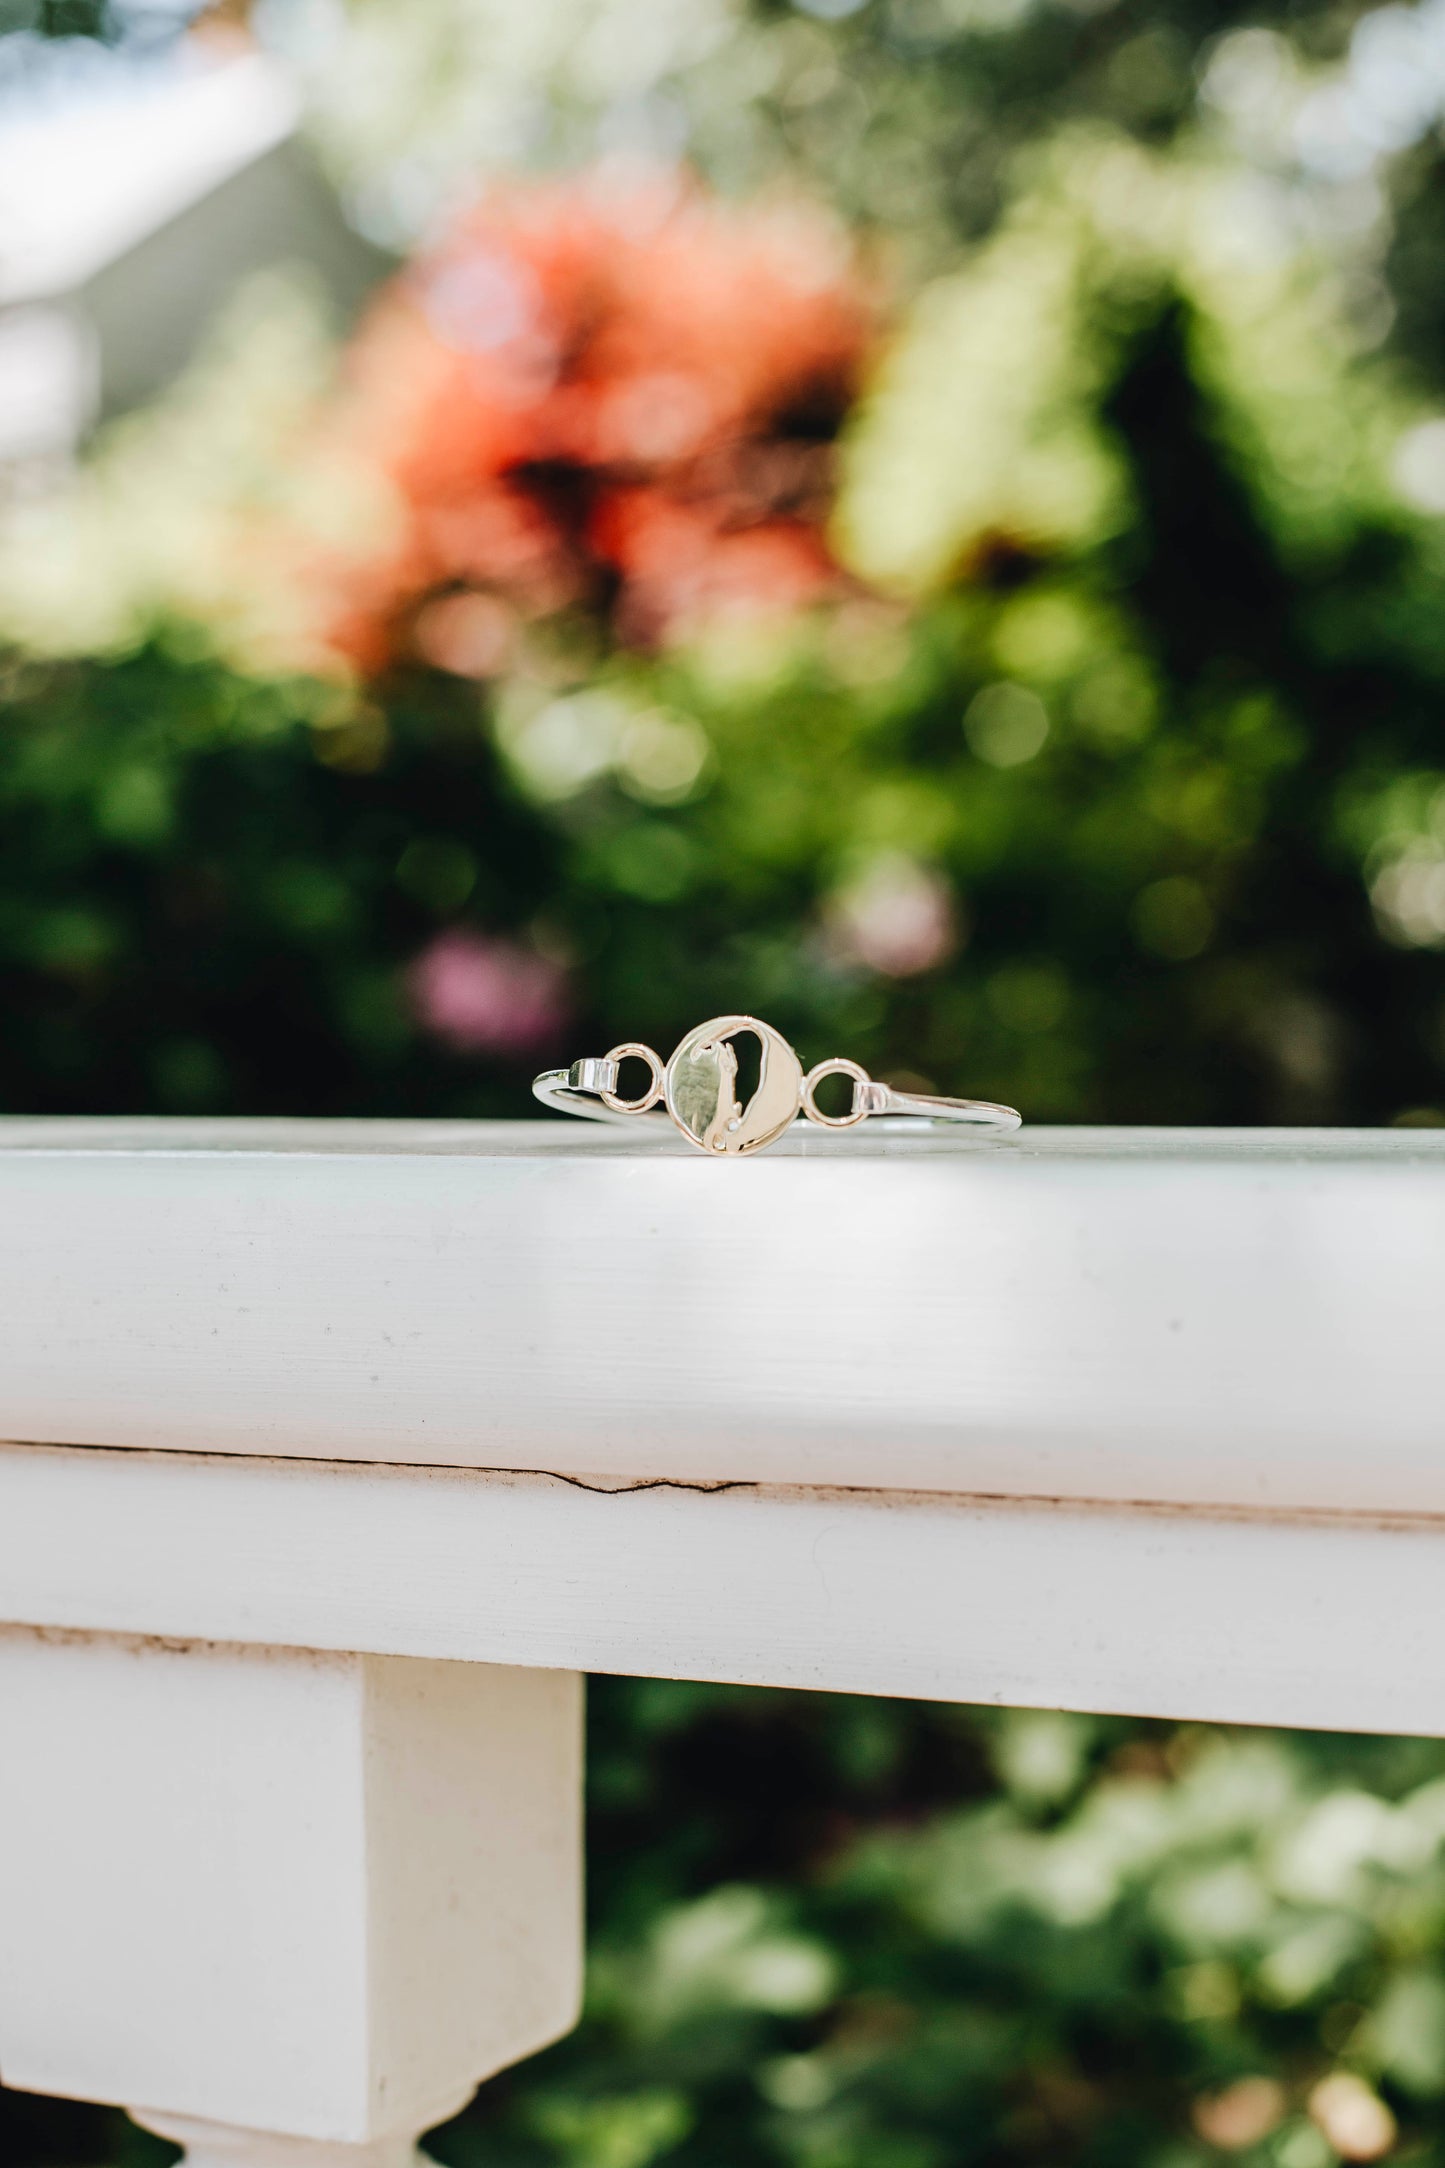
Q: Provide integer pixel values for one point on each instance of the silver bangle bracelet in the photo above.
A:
(697, 1090)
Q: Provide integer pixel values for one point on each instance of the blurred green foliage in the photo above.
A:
(1140, 818)
(841, 1932)
(1117, 790)
(203, 892)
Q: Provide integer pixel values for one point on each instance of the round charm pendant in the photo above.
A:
(700, 1086)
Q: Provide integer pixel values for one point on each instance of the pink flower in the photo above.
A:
(897, 918)
(485, 995)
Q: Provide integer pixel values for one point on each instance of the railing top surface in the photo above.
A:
(1216, 1318)
(1053, 1143)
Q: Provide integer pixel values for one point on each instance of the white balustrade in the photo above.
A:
(340, 1451)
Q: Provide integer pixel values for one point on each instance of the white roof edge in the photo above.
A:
(82, 187)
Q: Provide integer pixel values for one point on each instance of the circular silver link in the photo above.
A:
(654, 1091)
(839, 1066)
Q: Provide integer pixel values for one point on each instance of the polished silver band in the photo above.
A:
(696, 1087)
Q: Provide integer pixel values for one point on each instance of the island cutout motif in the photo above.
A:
(701, 1086)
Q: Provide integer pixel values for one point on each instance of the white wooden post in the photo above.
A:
(286, 1907)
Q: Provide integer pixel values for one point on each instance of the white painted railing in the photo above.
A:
(340, 1451)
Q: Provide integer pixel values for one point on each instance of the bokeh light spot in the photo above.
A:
(1006, 725)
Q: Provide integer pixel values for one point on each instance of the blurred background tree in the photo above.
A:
(1130, 481)
(923, 519)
